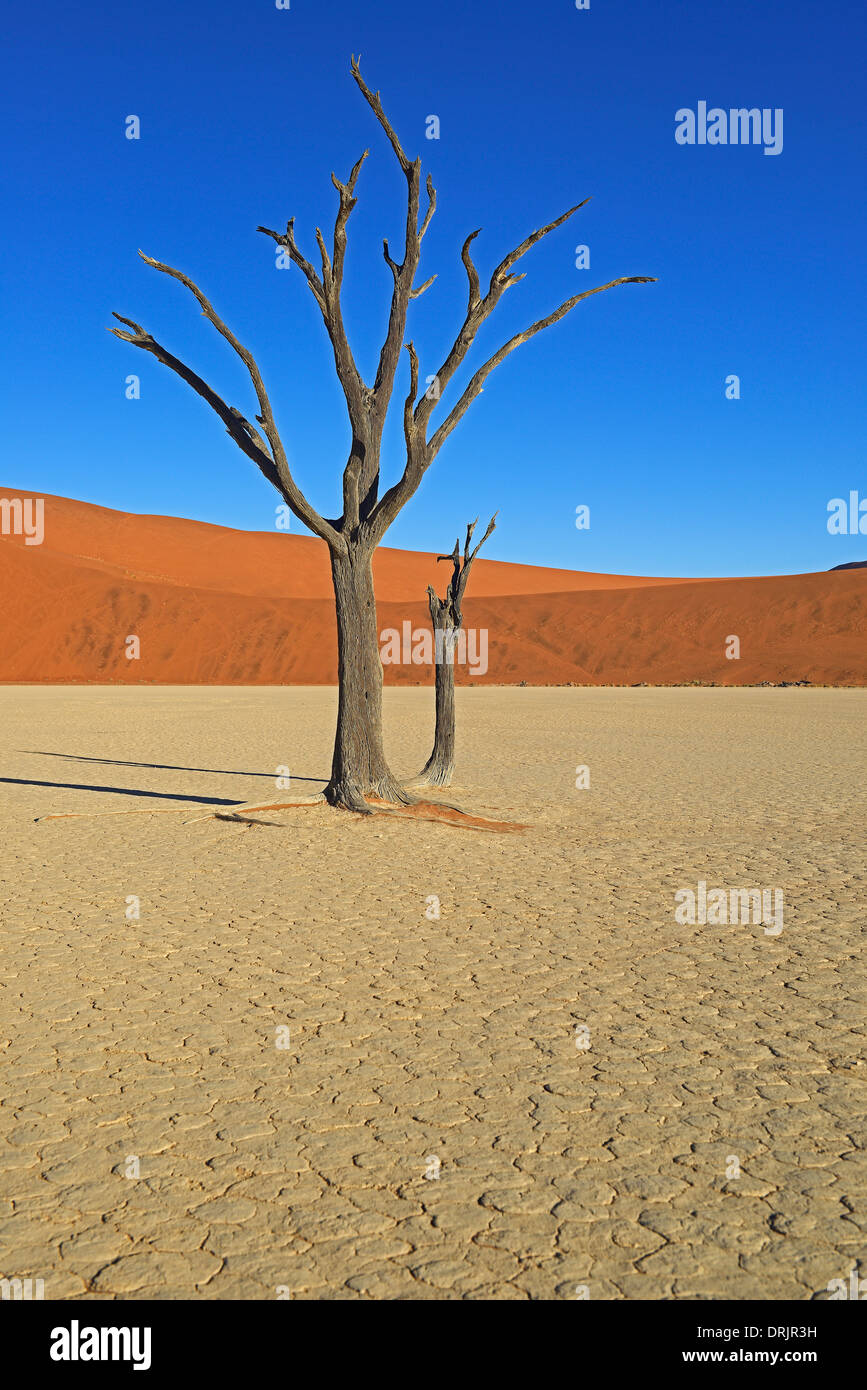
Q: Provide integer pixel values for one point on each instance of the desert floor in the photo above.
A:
(289, 1077)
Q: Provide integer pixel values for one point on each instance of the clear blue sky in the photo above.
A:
(245, 110)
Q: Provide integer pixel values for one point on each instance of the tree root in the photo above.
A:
(240, 813)
(139, 811)
(444, 814)
(247, 814)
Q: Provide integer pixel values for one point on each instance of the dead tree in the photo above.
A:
(359, 767)
(447, 619)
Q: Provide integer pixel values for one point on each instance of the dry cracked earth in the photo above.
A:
(258, 1062)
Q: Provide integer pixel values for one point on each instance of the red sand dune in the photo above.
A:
(215, 606)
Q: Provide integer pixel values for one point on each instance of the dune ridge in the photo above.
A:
(212, 605)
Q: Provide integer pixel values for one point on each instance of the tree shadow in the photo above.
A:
(166, 767)
(124, 791)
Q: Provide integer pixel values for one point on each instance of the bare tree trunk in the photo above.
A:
(438, 770)
(446, 618)
(359, 767)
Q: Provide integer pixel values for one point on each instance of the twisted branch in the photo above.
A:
(273, 465)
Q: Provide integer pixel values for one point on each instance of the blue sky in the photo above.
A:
(245, 110)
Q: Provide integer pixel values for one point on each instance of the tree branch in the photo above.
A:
(423, 451)
(287, 241)
(447, 604)
(414, 294)
(381, 515)
(404, 274)
(492, 526)
(326, 266)
(472, 273)
(347, 203)
(477, 382)
(431, 206)
(326, 292)
(266, 415)
(451, 604)
(392, 264)
(410, 400)
(245, 435)
(479, 309)
(513, 256)
(373, 101)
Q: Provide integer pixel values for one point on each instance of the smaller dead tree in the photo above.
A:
(447, 618)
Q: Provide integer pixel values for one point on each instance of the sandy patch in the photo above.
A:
(345, 1056)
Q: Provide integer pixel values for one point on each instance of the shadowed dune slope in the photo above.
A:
(212, 605)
